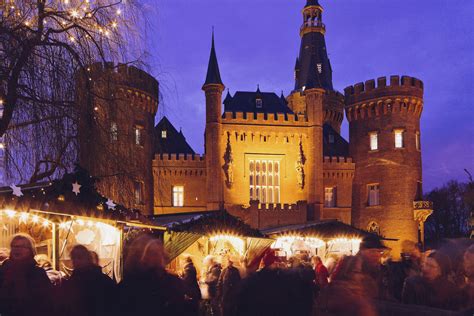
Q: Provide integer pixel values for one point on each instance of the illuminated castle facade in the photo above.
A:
(275, 160)
(270, 160)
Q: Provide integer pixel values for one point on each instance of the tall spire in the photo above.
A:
(314, 68)
(213, 75)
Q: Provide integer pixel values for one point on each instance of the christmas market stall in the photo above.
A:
(66, 212)
(215, 233)
(325, 239)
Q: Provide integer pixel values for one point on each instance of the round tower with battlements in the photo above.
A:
(384, 134)
(118, 105)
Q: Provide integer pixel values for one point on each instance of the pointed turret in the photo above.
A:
(313, 62)
(213, 75)
(228, 97)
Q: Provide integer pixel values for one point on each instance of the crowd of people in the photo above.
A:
(362, 284)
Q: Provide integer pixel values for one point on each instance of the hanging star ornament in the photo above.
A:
(110, 204)
(76, 188)
(16, 190)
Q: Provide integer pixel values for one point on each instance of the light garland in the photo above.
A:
(24, 217)
(235, 241)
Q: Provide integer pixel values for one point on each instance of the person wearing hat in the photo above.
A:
(432, 288)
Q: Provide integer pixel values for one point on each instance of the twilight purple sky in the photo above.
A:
(257, 42)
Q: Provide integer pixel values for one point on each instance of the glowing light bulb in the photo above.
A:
(119, 12)
(10, 213)
(23, 217)
(45, 223)
(80, 222)
(62, 225)
(35, 219)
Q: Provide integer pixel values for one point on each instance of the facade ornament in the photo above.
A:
(228, 166)
(299, 166)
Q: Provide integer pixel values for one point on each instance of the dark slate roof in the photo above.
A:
(313, 52)
(215, 222)
(213, 75)
(244, 101)
(173, 143)
(311, 3)
(325, 230)
(340, 147)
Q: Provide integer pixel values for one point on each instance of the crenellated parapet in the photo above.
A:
(133, 85)
(376, 98)
(179, 165)
(338, 167)
(263, 118)
(333, 109)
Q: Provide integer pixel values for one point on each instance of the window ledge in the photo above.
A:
(374, 151)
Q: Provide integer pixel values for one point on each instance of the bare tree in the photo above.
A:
(44, 46)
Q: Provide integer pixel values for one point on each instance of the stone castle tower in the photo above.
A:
(384, 134)
(116, 132)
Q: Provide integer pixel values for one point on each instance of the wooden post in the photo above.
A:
(55, 246)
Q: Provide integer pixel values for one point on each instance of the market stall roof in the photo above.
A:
(326, 230)
(206, 223)
(74, 194)
(168, 220)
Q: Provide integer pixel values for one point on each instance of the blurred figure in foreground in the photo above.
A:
(356, 281)
(273, 291)
(213, 272)
(432, 288)
(190, 280)
(468, 286)
(54, 276)
(227, 286)
(88, 291)
(320, 274)
(24, 287)
(147, 288)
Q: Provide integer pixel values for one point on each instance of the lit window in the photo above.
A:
(259, 103)
(320, 68)
(398, 138)
(113, 131)
(417, 140)
(374, 141)
(264, 182)
(374, 191)
(163, 134)
(330, 197)
(178, 196)
(331, 138)
(139, 137)
(138, 192)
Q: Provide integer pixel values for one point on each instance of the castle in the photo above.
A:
(274, 160)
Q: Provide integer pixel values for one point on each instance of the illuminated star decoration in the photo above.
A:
(110, 204)
(16, 190)
(76, 188)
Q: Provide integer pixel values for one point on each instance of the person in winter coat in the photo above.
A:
(24, 287)
(432, 288)
(88, 291)
(189, 277)
(146, 288)
(321, 273)
(227, 287)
